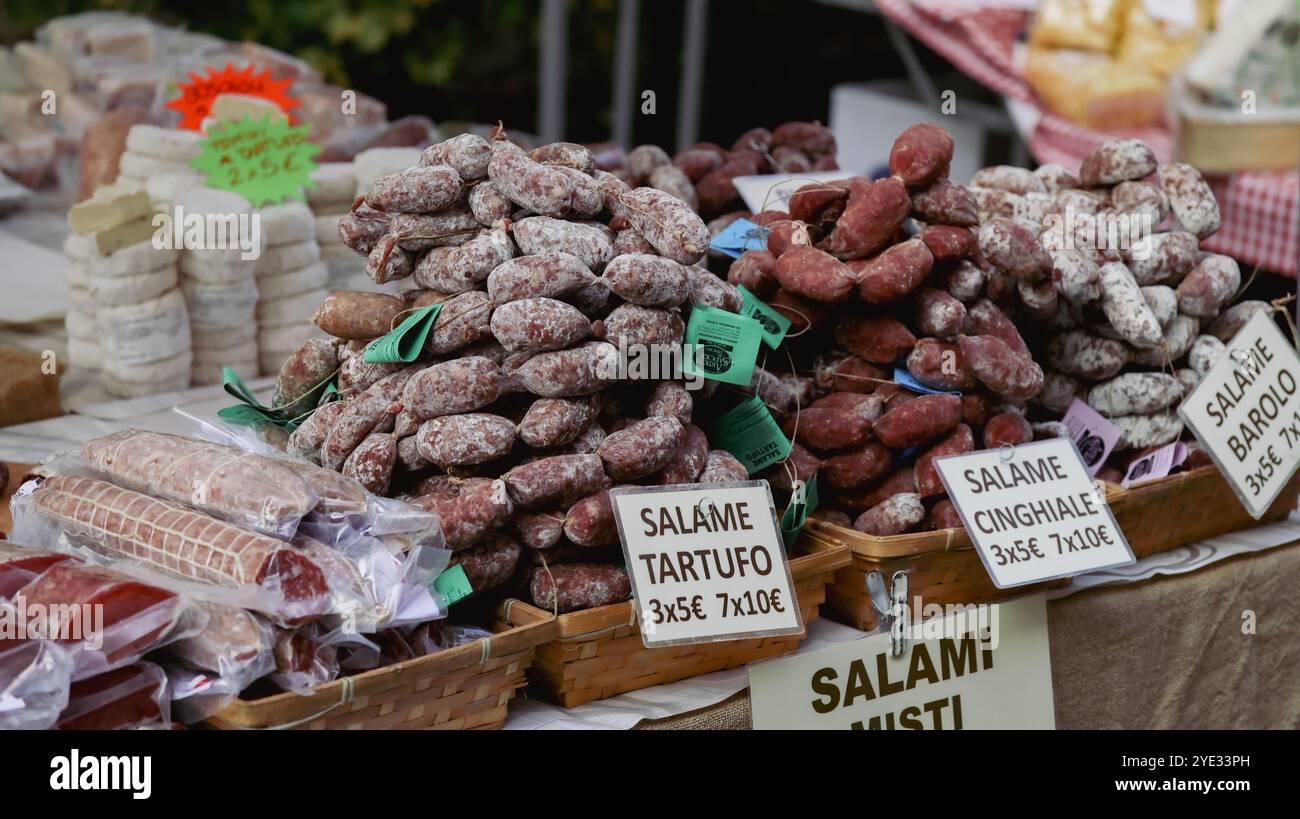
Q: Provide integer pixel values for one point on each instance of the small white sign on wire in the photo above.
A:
(1033, 512)
(772, 191)
(1246, 412)
(706, 562)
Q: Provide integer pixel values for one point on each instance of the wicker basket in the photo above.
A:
(1188, 507)
(949, 572)
(464, 687)
(598, 652)
(942, 567)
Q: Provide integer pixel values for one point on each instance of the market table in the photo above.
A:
(1154, 644)
(1169, 652)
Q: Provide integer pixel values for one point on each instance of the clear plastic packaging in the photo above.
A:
(392, 551)
(208, 670)
(225, 482)
(131, 697)
(309, 655)
(372, 588)
(176, 547)
(345, 509)
(103, 619)
(34, 680)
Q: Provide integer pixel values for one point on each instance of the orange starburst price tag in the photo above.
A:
(195, 101)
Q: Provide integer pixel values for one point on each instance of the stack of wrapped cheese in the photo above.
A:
(140, 320)
(290, 282)
(153, 151)
(330, 199)
(217, 278)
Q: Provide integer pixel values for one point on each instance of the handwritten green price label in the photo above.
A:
(773, 324)
(453, 585)
(264, 161)
(751, 434)
(403, 345)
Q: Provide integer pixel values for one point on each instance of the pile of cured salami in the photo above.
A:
(202, 568)
(508, 425)
(999, 298)
(702, 174)
(907, 296)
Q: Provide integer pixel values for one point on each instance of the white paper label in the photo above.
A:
(967, 670)
(772, 191)
(1033, 513)
(217, 306)
(1247, 415)
(144, 339)
(706, 562)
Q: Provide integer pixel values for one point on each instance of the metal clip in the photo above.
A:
(798, 493)
(898, 611)
(890, 608)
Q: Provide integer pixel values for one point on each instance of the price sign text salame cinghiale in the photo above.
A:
(1033, 513)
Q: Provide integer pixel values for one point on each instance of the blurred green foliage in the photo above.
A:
(450, 59)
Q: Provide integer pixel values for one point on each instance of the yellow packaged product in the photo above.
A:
(1094, 90)
(1161, 36)
(1093, 25)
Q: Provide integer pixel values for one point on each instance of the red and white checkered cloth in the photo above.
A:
(1260, 210)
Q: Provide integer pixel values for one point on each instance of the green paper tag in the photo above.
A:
(235, 386)
(246, 415)
(403, 345)
(773, 324)
(751, 434)
(265, 161)
(729, 343)
(453, 585)
(252, 413)
(797, 512)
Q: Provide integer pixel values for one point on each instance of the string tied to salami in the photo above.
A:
(555, 589)
(253, 413)
(1281, 305)
(821, 185)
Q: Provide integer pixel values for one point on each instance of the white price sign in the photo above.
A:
(977, 667)
(773, 191)
(1033, 513)
(706, 562)
(1247, 414)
